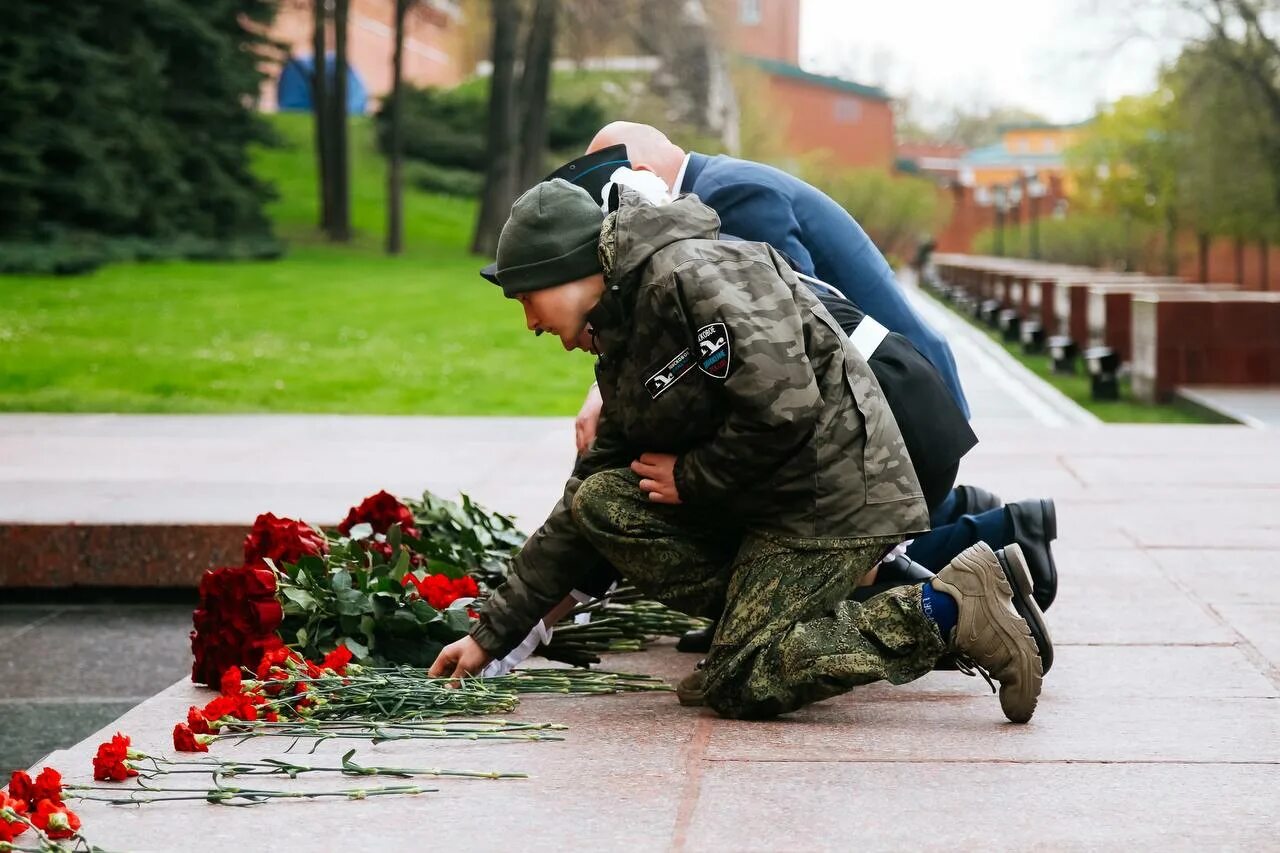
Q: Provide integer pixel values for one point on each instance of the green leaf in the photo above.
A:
(340, 581)
(301, 597)
(402, 564)
(457, 619)
(302, 636)
(350, 602)
(422, 611)
(357, 649)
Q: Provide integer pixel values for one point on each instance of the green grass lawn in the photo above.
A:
(327, 329)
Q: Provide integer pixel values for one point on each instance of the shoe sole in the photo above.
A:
(1019, 705)
(1018, 574)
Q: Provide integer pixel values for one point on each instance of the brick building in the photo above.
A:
(850, 123)
(434, 46)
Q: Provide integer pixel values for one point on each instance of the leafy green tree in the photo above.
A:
(1128, 162)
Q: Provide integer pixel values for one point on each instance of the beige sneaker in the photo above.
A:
(689, 690)
(989, 632)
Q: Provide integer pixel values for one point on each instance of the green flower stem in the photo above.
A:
(228, 796)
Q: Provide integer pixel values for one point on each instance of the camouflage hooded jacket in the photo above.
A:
(713, 351)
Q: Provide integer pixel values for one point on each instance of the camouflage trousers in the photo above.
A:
(788, 635)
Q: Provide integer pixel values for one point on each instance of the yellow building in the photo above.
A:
(1024, 150)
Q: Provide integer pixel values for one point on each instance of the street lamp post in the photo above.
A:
(1001, 194)
(1035, 192)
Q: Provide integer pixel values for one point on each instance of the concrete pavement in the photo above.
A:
(1158, 727)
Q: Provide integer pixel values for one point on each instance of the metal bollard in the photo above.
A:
(1104, 372)
(1032, 333)
(1009, 324)
(1063, 351)
(989, 311)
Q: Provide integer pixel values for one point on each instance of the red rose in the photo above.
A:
(48, 786)
(111, 762)
(21, 787)
(235, 622)
(337, 660)
(10, 830)
(55, 820)
(184, 740)
(380, 511)
(281, 540)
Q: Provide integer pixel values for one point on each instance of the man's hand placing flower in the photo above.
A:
(460, 658)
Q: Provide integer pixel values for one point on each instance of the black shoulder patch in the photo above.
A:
(671, 372)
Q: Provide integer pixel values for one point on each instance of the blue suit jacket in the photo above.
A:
(766, 205)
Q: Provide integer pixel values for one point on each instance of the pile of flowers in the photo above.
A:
(392, 585)
(36, 805)
(377, 589)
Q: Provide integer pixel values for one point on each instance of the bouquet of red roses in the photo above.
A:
(377, 587)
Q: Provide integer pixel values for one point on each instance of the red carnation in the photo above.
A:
(21, 787)
(441, 590)
(337, 660)
(281, 540)
(231, 682)
(10, 830)
(55, 820)
(185, 740)
(111, 762)
(48, 786)
(380, 511)
(196, 721)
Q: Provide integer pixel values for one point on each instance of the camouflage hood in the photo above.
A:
(638, 230)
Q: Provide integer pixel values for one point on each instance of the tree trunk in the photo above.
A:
(1203, 241)
(535, 84)
(500, 176)
(320, 111)
(395, 199)
(693, 77)
(340, 228)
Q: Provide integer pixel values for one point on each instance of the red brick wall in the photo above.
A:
(776, 36)
(431, 54)
(856, 131)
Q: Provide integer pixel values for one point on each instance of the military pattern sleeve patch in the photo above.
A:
(713, 350)
(671, 372)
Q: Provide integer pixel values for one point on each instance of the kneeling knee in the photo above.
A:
(594, 494)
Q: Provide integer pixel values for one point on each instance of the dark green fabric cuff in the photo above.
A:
(577, 263)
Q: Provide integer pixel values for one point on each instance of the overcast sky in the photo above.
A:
(1057, 57)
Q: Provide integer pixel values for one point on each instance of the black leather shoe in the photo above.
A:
(1035, 525)
(698, 640)
(976, 501)
(900, 571)
(1017, 572)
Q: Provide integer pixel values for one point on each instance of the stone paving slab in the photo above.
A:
(984, 806)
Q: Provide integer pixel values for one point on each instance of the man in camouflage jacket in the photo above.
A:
(747, 463)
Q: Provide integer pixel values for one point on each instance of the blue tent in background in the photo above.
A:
(293, 92)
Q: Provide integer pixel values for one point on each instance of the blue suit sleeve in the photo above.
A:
(761, 214)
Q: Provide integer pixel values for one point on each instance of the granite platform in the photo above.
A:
(1159, 726)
